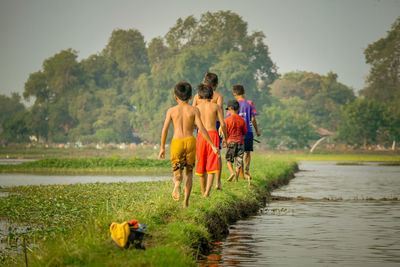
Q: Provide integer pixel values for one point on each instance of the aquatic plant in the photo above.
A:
(71, 221)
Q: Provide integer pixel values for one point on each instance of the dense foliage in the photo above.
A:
(122, 93)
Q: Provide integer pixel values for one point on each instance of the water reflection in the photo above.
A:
(357, 229)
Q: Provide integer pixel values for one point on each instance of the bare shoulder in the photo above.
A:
(172, 109)
(218, 98)
(195, 100)
(217, 94)
(214, 106)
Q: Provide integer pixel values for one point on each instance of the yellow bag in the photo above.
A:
(120, 233)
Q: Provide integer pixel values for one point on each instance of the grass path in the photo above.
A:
(69, 224)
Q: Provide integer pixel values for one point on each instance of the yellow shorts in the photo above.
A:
(183, 153)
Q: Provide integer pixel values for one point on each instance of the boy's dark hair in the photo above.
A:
(211, 79)
(233, 104)
(238, 89)
(183, 90)
(205, 91)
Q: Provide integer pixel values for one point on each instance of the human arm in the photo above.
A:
(204, 132)
(164, 135)
(220, 103)
(195, 103)
(244, 128)
(223, 125)
(254, 122)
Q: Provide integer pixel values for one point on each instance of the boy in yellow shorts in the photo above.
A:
(183, 144)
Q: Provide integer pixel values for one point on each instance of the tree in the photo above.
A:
(128, 87)
(15, 128)
(13, 116)
(127, 48)
(383, 81)
(361, 122)
(323, 95)
(283, 127)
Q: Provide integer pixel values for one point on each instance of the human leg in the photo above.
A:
(247, 164)
(219, 173)
(188, 186)
(230, 158)
(239, 153)
(176, 193)
(210, 180)
(230, 167)
(248, 147)
(203, 183)
(237, 174)
(212, 161)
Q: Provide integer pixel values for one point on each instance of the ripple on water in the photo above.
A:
(350, 219)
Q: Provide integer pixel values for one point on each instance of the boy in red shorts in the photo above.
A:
(236, 130)
(206, 160)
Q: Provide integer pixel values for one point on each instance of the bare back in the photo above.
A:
(209, 113)
(217, 98)
(183, 118)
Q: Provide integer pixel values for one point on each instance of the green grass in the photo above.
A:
(336, 157)
(40, 152)
(70, 223)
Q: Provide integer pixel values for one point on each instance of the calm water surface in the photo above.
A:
(346, 216)
(15, 179)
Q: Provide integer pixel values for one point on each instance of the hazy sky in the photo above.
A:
(310, 35)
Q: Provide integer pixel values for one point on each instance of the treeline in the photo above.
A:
(122, 93)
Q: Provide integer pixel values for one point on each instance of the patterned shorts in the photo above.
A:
(235, 151)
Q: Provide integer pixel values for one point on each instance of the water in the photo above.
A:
(14, 161)
(346, 216)
(15, 179)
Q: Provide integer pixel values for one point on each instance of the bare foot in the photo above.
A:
(176, 194)
(248, 176)
(218, 187)
(230, 177)
(185, 204)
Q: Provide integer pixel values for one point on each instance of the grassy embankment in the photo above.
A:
(388, 157)
(40, 152)
(70, 222)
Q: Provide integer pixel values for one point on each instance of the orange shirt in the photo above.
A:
(236, 129)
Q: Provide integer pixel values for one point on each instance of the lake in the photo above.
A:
(329, 215)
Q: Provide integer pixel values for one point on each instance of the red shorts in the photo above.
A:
(207, 160)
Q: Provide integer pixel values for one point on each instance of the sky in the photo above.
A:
(303, 35)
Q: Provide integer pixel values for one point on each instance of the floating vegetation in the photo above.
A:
(350, 163)
(397, 163)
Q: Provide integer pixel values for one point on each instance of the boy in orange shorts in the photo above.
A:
(183, 144)
(211, 79)
(206, 160)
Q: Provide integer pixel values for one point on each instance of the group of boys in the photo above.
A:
(206, 114)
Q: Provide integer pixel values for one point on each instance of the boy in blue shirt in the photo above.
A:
(248, 112)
